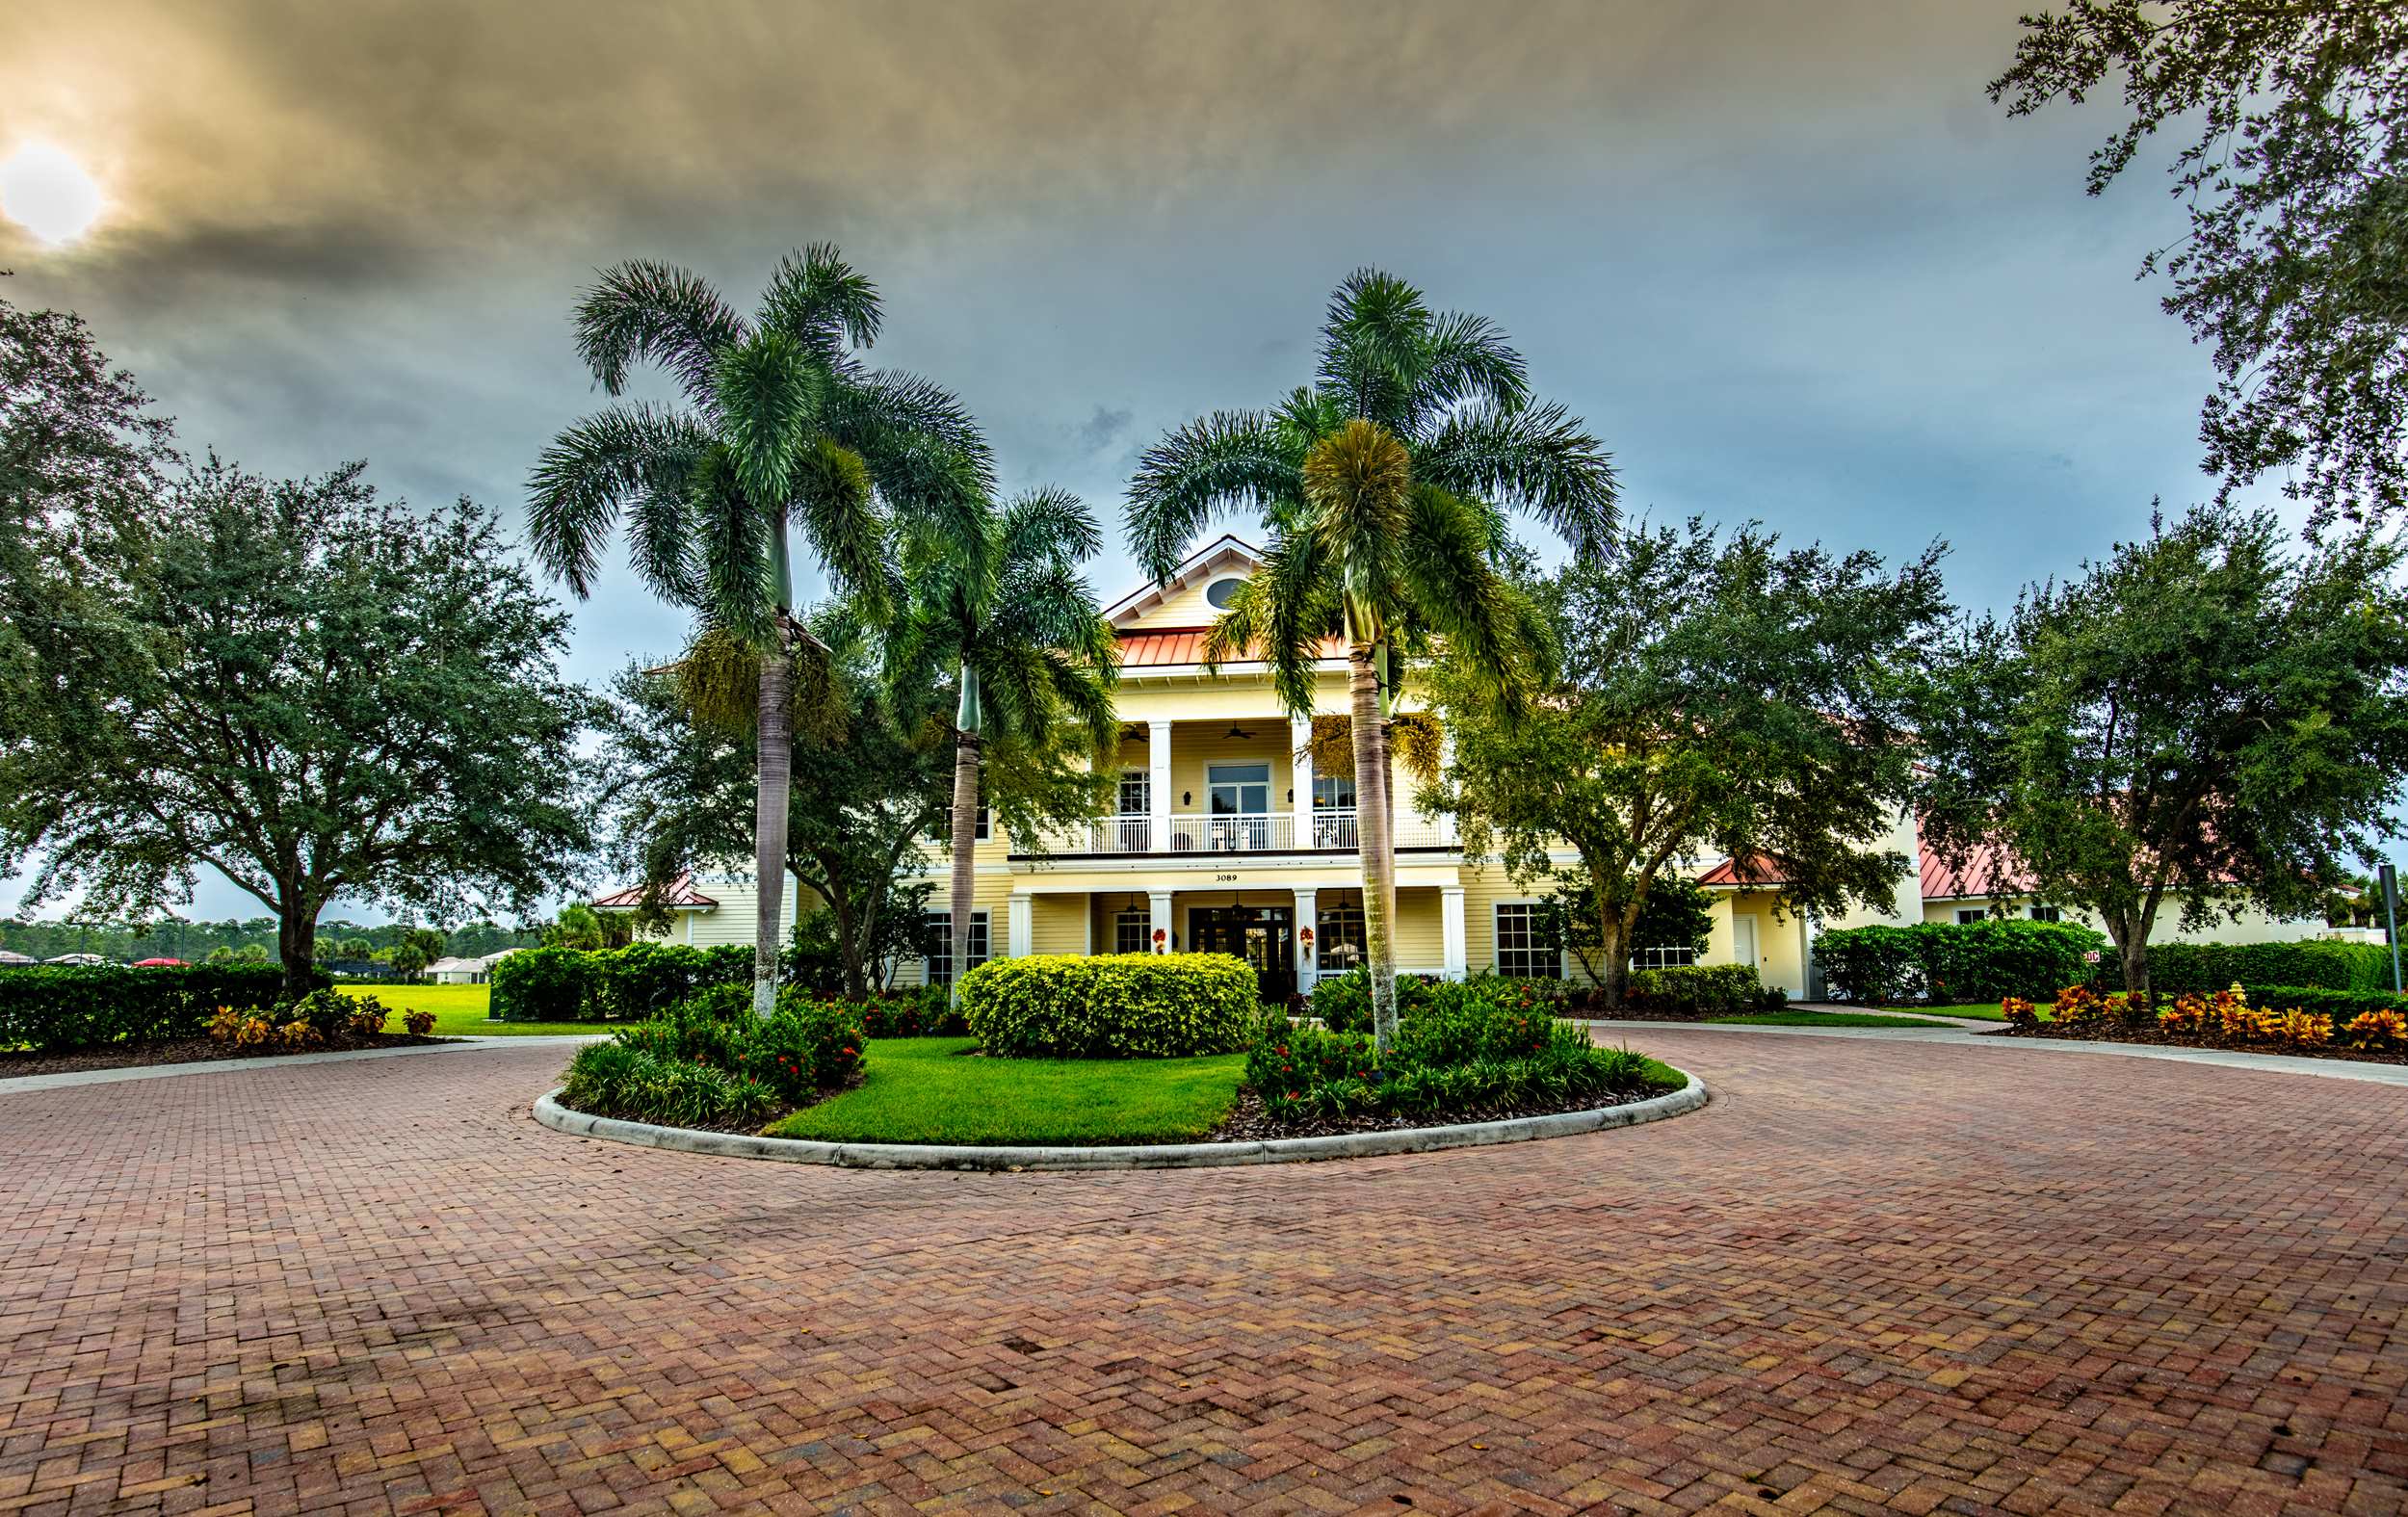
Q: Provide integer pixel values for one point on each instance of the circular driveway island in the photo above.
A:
(1871, 1275)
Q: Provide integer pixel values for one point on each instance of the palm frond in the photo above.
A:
(1467, 359)
(925, 451)
(1358, 482)
(1229, 460)
(1374, 346)
(832, 502)
(1048, 522)
(769, 388)
(643, 309)
(587, 474)
(1447, 570)
(817, 299)
(735, 555)
(1540, 458)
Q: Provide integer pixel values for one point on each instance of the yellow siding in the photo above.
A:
(1058, 924)
(1420, 938)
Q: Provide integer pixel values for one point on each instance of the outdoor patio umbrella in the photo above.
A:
(76, 959)
(8, 957)
(157, 964)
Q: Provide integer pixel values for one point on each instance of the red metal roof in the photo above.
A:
(1985, 872)
(1156, 647)
(680, 893)
(1758, 871)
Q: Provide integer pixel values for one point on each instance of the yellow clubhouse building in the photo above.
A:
(1224, 840)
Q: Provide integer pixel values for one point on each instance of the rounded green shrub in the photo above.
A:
(544, 984)
(1110, 1006)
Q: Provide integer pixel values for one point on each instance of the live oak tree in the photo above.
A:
(1704, 693)
(1383, 488)
(2291, 122)
(2203, 721)
(334, 696)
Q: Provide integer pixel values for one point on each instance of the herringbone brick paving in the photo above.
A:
(1870, 1277)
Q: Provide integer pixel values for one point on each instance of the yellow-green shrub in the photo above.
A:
(1110, 1006)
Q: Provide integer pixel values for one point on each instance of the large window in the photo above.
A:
(938, 945)
(1137, 792)
(1521, 948)
(1338, 937)
(1664, 958)
(941, 828)
(1239, 790)
(2048, 913)
(1131, 930)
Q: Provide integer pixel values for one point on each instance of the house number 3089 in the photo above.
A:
(1225, 880)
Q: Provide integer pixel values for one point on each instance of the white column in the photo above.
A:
(1158, 928)
(1451, 925)
(1023, 937)
(1158, 789)
(1299, 744)
(1307, 954)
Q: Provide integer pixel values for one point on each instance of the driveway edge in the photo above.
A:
(1134, 1156)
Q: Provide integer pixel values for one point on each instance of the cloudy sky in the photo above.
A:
(1786, 258)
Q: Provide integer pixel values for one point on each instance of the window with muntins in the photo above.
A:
(1966, 915)
(1137, 792)
(1131, 930)
(1338, 939)
(2047, 914)
(1521, 948)
(938, 945)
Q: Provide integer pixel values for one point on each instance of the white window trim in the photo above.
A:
(1495, 938)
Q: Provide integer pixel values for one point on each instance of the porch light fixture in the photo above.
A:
(1187, 798)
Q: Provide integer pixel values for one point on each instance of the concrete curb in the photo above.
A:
(457, 1044)
(1135, 1156)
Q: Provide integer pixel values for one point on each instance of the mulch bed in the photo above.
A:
(1249, 1122)
(2112, 1032)
(183, 1050)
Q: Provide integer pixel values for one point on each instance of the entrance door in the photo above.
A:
(1240, 799)
(1743, 940)
(1264, 936)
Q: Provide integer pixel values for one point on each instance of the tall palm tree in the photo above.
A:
(782, 426)
(1002, 606)
(1384, 486)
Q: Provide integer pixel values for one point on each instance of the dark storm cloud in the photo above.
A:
(1783, 256)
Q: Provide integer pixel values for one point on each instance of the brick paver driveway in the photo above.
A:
(1870, 1276)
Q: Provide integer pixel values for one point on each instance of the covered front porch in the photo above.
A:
(1292, 936)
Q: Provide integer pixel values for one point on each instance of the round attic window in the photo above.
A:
(1220, 593)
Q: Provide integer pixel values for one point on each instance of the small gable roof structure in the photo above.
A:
(679, 896)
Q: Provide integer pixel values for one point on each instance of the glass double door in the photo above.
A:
(1264, 936)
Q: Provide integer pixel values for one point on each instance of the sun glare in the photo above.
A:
(48, 194)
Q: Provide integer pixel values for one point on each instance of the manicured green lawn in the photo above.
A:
(921, 1090)
(459, 1011)
(1820, 1019)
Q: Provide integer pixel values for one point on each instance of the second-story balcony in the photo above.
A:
(1331, 831)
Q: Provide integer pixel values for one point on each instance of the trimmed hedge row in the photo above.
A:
(1456, 1057)
(1110, 1006)
(702, 1064)
(2210, 967)
(567, 984)
(57, 1007)
(1957, 962)
(1707, 989)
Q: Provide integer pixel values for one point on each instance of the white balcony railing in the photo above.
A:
(1332, 830)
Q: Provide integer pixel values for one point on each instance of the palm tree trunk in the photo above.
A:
(1375, 839)
(774, 776)
(965, 852)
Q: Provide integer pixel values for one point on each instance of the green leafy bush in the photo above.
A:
(1965, 961)
(567, 984)
(756, 1064)
(1343, 1002)
(1469, 1055)
(912, 1011)
(54, 1007)
(1110, 1006)
(1702, 990)
(2210, 967)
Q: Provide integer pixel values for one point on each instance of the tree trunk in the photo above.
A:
(1375, 840)
(297, 942)
(772, 777)
(1613, 954)
(2134, 948)
(965, 852)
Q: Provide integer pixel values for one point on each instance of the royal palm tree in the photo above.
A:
(1383, 487)
(1003, 608)
(783, 425)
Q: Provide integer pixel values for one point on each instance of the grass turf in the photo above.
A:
(1987, 1010)
(1820, 1019)
(459, 1011)
(920, 1090)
